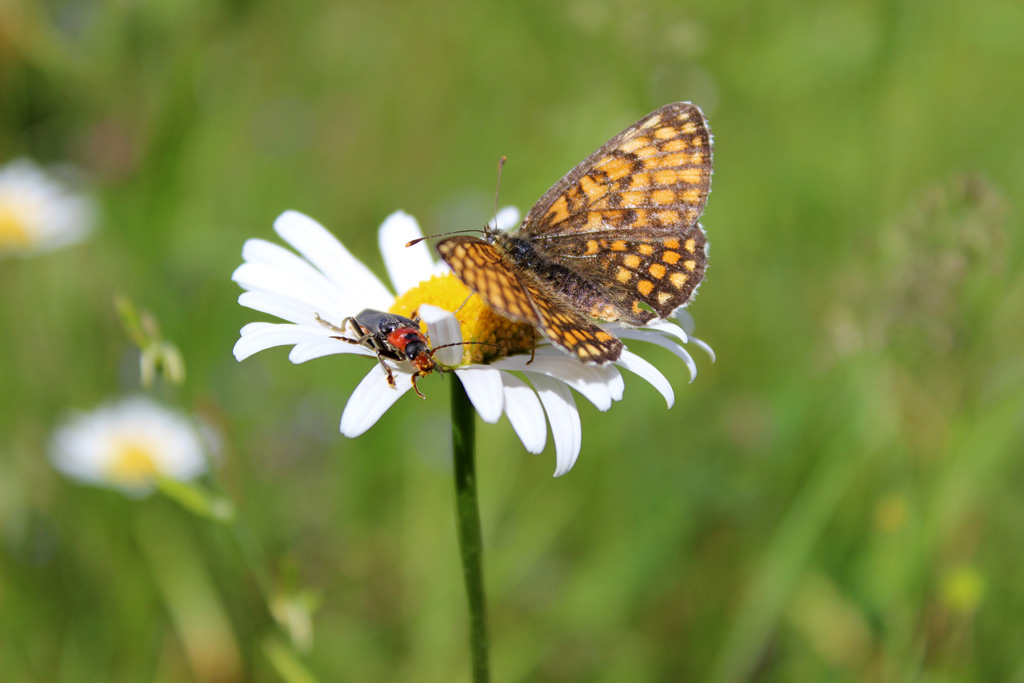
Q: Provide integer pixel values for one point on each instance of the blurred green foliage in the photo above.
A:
(838, 498)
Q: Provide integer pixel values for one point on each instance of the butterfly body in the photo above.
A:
(616, 239)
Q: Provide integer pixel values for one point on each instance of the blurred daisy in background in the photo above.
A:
(38, 211)
(129, 444)
(327, 283)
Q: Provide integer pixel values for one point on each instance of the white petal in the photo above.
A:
(564, 418)
(281, 306)
(443, 328)
(88, 445)
(258, 337)
(274, 260)
(407, 266)
(668, 328)
(707, 349)
(270, 254)
(507, 219)
(685, 320)
(370, 400)
(691, 366)
(638, 365)
(314, 291)
(599, 385)
(525, 413)
(324, 251)
(318, 348)
(45, 205)
(485, 390)
(659, 340)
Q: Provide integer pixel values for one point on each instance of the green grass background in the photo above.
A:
(838, 498)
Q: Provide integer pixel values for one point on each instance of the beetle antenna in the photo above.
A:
(444, 346)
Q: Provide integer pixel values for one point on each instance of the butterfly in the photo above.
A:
(616, 239)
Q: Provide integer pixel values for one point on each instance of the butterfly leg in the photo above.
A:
(463, 304)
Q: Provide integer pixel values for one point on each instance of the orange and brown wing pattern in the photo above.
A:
(617, 238)
(574, 333)
(662, 272)
(653, 177)
(481, 268)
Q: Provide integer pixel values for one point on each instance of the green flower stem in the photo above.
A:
(470, 540)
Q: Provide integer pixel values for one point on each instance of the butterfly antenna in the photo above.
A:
(443, 234)
(457, 232)
(497, 187)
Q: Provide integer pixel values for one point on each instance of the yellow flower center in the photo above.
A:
(479, 323)
(13, 233)
(132, 462)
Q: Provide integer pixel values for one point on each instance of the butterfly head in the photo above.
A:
(519, 249)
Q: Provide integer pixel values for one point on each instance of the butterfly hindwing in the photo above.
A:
(662, 272)
(574, 333)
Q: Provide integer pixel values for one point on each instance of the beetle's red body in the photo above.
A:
(414, 346)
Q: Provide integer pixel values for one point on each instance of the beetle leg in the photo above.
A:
(361, 338)
(416, 388)
(387, 370)
(331, 326)
(340, 329)
(356, 327)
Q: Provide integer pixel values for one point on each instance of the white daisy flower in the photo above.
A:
(127, 444)
(326, 283)
(38, 212)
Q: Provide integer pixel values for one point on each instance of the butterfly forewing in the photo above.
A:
(479, 265)
(654, 177)
(520, 296)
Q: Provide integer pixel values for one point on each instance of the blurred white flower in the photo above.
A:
(328, 283)
(39, 212)
(128, 444)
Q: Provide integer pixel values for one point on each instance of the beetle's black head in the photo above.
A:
(416, 348)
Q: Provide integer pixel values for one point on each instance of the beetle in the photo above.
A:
(390, 336)
(393, 337)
